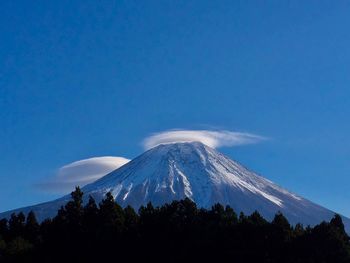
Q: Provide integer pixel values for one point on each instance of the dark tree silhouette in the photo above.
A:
(174, 232)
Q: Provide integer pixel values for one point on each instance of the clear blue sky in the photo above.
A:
(90, 78)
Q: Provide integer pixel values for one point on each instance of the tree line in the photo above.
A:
(172, 232)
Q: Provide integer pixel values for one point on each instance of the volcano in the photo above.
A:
(175, 171)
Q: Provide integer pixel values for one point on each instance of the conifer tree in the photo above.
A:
(281, 221)
(74, 208)
(298, 230)
(338, 229)
(230, 216)
(61, 217)
(111, 214)
(148, 218)
(281, 227)
(147, 211)
(337, 222)
(256, 219)
(131, 217)
(189, 208)
(16, 224)
(31, 227)
(91, 212)
(242, 218)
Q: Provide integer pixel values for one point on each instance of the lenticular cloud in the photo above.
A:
(86, 171)
(212, 139)
(82, 172)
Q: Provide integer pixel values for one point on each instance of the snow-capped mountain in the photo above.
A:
(178, 170)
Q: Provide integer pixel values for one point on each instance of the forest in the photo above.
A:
(179, 231)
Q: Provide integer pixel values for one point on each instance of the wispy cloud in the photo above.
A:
(82, 172)
(211, 138)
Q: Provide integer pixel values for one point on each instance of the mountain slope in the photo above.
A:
(179, 170)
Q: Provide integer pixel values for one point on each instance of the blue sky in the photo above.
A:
(88, 78)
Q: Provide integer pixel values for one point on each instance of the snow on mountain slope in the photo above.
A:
(178, 170)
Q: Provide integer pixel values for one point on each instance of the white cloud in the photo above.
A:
(82, 172)
(213, 139)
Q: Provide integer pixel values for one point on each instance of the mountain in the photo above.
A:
(194, 170)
